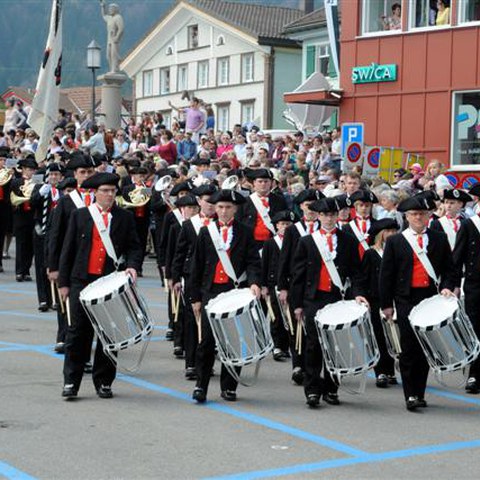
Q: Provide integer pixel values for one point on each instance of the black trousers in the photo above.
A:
(43, 285)
(298, 359)
(279, 333)
(413, 364)
(205, 357)
(78, 346)
(142, 224)
(190, 332)
(386, 364)
(313, 382)
(472, 308)
(5, 214)
(23, 230)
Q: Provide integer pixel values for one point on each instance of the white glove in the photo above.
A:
(45, 190)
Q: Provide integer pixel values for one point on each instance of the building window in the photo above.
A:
(220, 40)
(468, 11)
(167, 118)
(381, 15)
(466, 130)
(164, 81)
(169, 50)
(202, 80)
(182, 78)
(223, 114)
(247, 67)
(223, 68)
(193, 36)
(248, 112)
(318, 59)
(427, 13)
(148, 83)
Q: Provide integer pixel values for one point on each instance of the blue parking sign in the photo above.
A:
(352, 132)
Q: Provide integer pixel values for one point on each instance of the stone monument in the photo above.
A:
(113, 80)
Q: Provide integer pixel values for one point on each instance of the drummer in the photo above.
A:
(208, 279)
(313, 288)
(84, 260)
(405, 283)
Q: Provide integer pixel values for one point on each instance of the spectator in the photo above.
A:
(96, 142)
(120, 144)
(187, 148)
(443, 13)
(165, 148)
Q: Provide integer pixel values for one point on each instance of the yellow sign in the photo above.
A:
(390, 159)
(415, 158)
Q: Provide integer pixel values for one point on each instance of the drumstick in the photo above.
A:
(62, 304)
(198, 319)
(52, 292)
(67, 304)
(173, 300)
(298, 339)
(270, 309)
(289, 318)
(396, 340)
(177, 308)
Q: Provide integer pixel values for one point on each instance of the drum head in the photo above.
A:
(230, 301)
(344, 312)
(104, 286)
(433, 312)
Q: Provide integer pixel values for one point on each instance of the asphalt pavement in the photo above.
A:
(152, 429)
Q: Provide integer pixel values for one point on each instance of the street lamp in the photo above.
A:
(93, 63)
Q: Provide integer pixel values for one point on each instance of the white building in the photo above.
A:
(233, 56)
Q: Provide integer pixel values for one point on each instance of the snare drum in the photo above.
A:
(119, 316)
(347, 339)
(392, 336)
(240, 329)
(445, 333)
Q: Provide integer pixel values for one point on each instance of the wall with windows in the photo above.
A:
(423, 110)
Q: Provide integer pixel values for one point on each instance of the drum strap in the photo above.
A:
(301, 230)
(105, 235)
(422, 256)
(278, 241)
(262, 211)
(476, 221)
(77, 199)
(448, 229)
(328, 260)
(197, 223)
(359, 235)
(178, 216)
(223, 255)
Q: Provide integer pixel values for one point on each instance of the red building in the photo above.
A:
(432, 107)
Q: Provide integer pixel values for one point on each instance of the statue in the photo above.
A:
(115, 28)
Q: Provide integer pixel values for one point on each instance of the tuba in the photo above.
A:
(5, 176)
(26, 189)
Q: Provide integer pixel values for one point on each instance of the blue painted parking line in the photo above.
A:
(17, 291)
(12, 473)
(16, 313)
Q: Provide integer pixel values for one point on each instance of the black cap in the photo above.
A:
(182, 187)
(430, 195)
(201, 161)
(139, 171)
(284, 216)
(456, 194)
(475, 190)
(68, 182)
(187, 201)
(28, 162)
(227, 196)
(325, 205)
(417, 202)
(165, 171)
(363, 196)
(209, 189)
(308, 195)
(79, 160)
(56, 167)
(97, 159)
(99, 179)
(383, 224)
(259, 173)
(343, 201)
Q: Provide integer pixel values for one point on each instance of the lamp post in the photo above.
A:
(93, 63)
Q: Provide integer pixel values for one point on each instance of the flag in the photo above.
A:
(44, 112)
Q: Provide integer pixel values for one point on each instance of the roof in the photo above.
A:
(315, 19)
(81, 97)
(26, 95)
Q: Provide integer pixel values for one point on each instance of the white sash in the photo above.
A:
(359, 234)
(327, 258)
(197, 223)
(302, 231)
(448, 229)
(262, 211)
(178, 216)
(105, 234)
(421, 255)
(278, 241)
(223, 255)
(77, 199)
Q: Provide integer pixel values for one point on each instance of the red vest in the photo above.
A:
(98, 255)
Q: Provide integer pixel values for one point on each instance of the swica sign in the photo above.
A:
(374, 73)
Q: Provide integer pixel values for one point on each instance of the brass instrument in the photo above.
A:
(231, 182)
(139, 197)
(5, 176)
(26, 189)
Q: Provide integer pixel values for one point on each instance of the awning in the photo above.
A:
(316, 90)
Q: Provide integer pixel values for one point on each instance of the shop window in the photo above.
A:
(381, 16)
(466, 130)
(429, 13)
(468, 11)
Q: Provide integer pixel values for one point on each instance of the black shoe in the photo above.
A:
(178, 352)
(199, 395)
(1, 269)
(88, 368)
(69, 391)
(392, 380)
(382, 381)
(27, 278)
(278, 355)
(43, 307)
(59, 347)
(105, 391)
(422, 403)
(229, 395)
(297, 376)
(19, 278)
(140, 274)
(331, 398)
(169, 335)
(6, 256)
(412, 403)
(313, 400)
(472, 386)
(190, 373)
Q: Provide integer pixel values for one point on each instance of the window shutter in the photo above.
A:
(311, 50)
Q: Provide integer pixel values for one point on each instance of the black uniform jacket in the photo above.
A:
(347, 228)
(370, 274)
(173, 234)
(307, 265)
(21, 216)
(182, 260)
(397, 266)
(243, 255)
(169, 220)
(270, 261)
(247, 213)
(78, 241)
(466, 253)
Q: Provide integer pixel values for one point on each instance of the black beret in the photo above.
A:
(364, 196)
(28, 162)
(99, 179)
(308, 195)
(187, 201)
(68, 182)
(475, 190)
(325, 205)
(227, 196)
(182, 187)
(456, 194)
(205, 190)
(284, 216)
(259, 173)
(383, 224)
